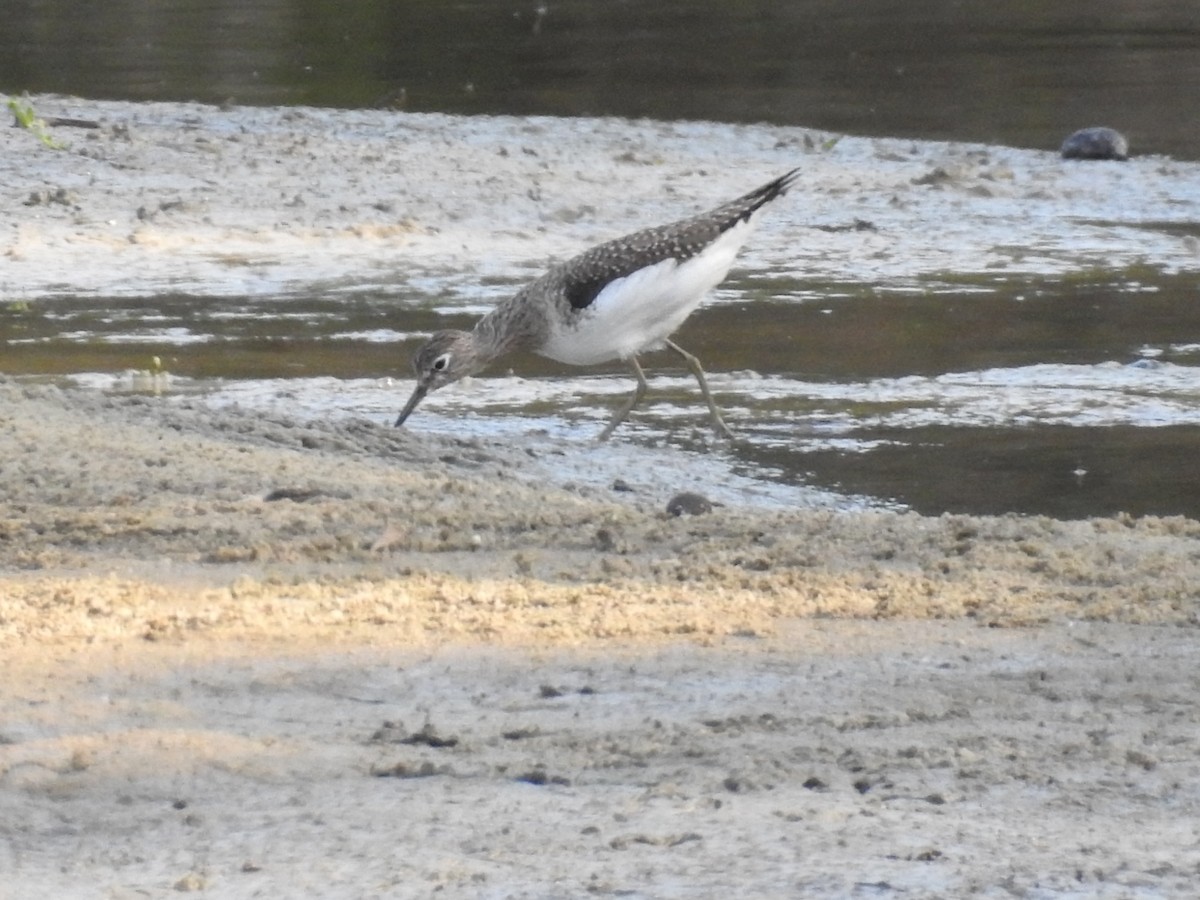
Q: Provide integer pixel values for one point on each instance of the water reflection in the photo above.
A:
(1066, 472)
(1072, 398)
(819, 332)
(1008, 72)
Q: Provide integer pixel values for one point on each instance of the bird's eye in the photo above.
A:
(441, 362)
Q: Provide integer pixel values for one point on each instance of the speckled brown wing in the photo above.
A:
(585, 276)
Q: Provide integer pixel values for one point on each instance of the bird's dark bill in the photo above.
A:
(418, 395)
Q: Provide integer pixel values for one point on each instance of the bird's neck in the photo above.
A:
(512, 325)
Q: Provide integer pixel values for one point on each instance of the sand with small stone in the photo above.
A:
(248, 655)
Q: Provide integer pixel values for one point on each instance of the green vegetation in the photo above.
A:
(25, 117)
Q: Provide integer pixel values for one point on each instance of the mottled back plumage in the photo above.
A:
(586, 275)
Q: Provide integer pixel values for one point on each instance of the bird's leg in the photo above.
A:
(694, 364)
(638, 393)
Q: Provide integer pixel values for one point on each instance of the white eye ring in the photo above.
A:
(441, 362)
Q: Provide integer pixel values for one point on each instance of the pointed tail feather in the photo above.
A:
(741, 209)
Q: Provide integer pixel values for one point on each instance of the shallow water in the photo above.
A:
(1071, 397)
(1007, 72)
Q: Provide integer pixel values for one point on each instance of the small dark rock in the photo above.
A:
(395, 733)
(428, 737)
(1096, 143)
(606, 542)
(815, 784)
(519, 734)
(405, 770)
(689, 504)
(296, 495)
(539, 777)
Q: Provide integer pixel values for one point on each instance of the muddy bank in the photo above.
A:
(246, 653)
(202, 200)
(466, 537)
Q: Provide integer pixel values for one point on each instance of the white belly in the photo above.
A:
(640, 311)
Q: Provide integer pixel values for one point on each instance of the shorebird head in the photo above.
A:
(447, 357)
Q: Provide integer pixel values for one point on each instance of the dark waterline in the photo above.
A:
(1007, 72)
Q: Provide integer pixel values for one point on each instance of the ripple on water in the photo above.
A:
(894, 391)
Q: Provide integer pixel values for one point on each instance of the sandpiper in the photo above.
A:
(615, 301)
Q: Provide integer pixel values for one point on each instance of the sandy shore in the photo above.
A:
(247, 655)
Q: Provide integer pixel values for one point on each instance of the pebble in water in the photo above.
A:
(1096, 143)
